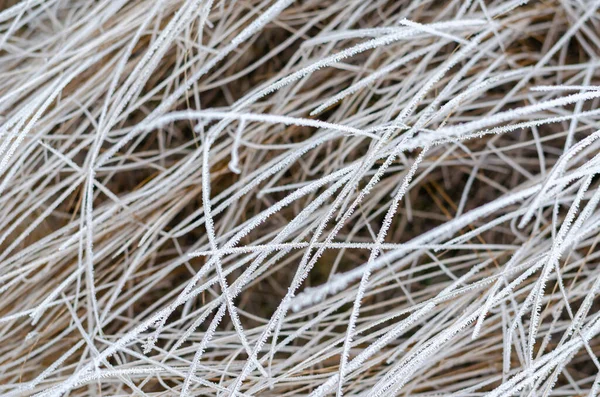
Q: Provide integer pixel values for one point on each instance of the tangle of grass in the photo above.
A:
(299, 198)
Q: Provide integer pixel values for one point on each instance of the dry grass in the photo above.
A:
(288, 198)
